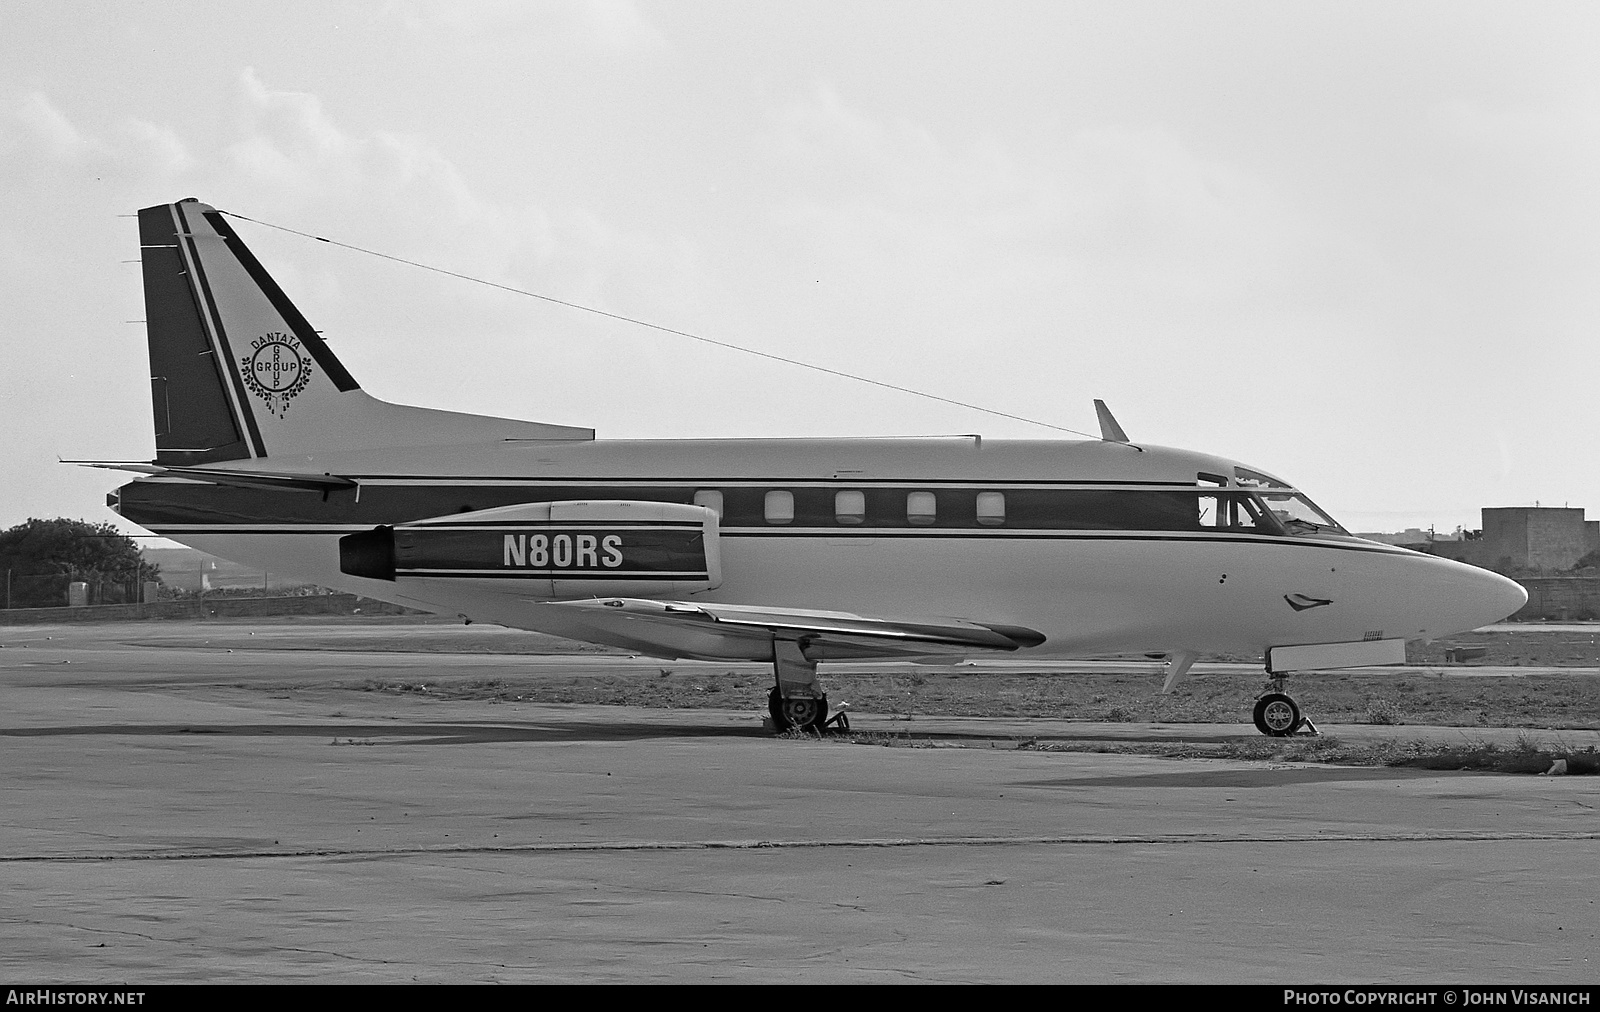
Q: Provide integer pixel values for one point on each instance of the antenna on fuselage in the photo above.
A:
(1110, 431)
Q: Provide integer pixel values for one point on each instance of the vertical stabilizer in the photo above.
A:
(236, 372)
(196, 416)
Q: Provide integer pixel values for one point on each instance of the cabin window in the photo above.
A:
(711, 499)
(921, 508)
(780, 507)
(991, 509)
(850, 507)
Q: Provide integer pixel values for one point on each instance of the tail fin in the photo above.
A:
(236, 372)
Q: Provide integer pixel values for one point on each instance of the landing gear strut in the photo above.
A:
(1277, 714)
(797, 701)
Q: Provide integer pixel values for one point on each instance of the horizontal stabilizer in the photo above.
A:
(219, 476)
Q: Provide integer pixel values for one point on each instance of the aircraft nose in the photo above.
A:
(1506, 597)
(1484, 597)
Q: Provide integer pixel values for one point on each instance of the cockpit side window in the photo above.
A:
(1285, 508)
(1234, 511)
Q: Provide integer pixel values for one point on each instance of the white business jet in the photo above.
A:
(787, 551)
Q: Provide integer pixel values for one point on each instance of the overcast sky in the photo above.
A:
(1355, 244)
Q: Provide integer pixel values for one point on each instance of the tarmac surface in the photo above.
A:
(190, 812)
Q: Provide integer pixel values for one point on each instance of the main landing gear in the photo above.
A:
(1277, 714)
(797, 701)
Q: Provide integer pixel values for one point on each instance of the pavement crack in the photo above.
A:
(613, 846)
(331, 952)
(93, 930)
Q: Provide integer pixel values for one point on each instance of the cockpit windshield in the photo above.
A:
(1294, 511)
(1246, 478)
(1299, 515)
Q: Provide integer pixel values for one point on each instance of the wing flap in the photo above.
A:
(826, 634)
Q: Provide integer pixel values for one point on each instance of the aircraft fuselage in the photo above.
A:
(1101, 546)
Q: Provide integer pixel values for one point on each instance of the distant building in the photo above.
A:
(1526, 539)
(190, 570)
(1411, 536)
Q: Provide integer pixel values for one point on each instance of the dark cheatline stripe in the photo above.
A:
(980, 534)
(548, 574)
(789, 482)
(621, 525)
(324, 356)
(1164, 514)
(229, 365)
(928, 534)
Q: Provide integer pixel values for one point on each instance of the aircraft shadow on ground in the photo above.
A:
(1237, 778)
(407, 734)
(459, 733)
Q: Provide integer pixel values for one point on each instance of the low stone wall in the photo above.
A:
(1563, 598)
(214, 607)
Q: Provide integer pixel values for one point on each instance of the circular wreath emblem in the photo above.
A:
(276, 370)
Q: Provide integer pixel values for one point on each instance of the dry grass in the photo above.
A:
(1364, 697)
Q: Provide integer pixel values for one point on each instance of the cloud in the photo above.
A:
(403, 196)
(39, 139)
(1113, 214)
(158, 149)
(41, 127)
(292, 156)
(299, 167)
(569, 25)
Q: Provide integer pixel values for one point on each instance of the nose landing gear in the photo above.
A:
(1277, 715)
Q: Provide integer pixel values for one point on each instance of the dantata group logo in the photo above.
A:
(276, 370)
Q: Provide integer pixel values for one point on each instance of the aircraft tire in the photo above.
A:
(797, 712)
(1276, 715)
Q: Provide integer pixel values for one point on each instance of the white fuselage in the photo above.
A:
(1088, 588)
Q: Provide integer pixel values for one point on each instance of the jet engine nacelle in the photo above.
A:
(549, 550)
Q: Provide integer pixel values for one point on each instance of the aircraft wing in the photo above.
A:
(720, 629)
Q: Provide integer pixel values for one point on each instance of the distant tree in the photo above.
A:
(41, 557)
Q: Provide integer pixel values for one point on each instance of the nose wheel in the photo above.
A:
(1277, 715)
